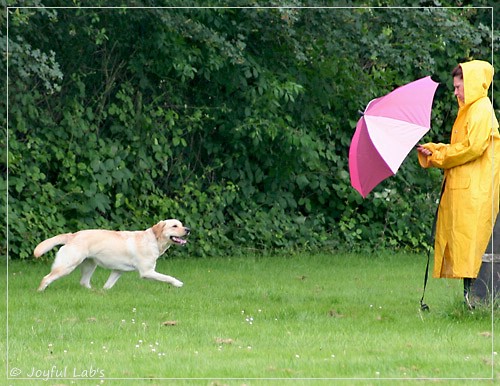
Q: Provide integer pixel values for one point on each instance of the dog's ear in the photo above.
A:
(158, 229)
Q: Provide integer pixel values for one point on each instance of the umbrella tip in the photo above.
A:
(361, 112)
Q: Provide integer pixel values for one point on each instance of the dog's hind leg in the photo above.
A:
(87, 267)
(65, 262)
(115, 275)
(54, 274)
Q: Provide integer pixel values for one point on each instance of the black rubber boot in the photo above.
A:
(467, 291)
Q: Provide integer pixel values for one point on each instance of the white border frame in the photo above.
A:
(9, 370)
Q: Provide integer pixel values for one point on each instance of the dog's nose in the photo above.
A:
(187, 230)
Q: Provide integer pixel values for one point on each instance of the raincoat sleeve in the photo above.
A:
(475, 140)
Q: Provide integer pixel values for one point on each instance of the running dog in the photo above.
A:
(120, 251)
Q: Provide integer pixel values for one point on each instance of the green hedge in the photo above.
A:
(236, 121)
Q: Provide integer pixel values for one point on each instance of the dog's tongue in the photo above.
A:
(179, 240)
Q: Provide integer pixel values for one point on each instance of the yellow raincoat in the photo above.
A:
(471, 163)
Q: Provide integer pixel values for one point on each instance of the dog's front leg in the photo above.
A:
(115, 275)
(153, 275)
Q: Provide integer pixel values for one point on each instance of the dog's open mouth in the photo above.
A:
(178, 240)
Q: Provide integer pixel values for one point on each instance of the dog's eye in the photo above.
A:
(174, 226)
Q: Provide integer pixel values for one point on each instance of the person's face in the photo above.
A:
(458, 85)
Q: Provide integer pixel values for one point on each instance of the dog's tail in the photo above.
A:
(48, 244)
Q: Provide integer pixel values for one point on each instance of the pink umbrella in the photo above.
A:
(389, 128)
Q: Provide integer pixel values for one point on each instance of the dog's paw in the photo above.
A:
(177, 283)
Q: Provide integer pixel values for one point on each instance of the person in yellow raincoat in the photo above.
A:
(471, 161)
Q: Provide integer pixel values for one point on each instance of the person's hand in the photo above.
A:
(423, 150)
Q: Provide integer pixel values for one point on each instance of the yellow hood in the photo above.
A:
(478, 76)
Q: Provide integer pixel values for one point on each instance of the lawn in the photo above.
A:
(305, 319)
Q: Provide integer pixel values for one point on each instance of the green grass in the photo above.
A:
(287, 318)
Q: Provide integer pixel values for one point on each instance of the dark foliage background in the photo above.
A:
(235, 120)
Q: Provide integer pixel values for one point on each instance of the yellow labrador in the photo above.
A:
(119, 251)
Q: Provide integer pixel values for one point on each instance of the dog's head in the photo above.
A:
(169, 232)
